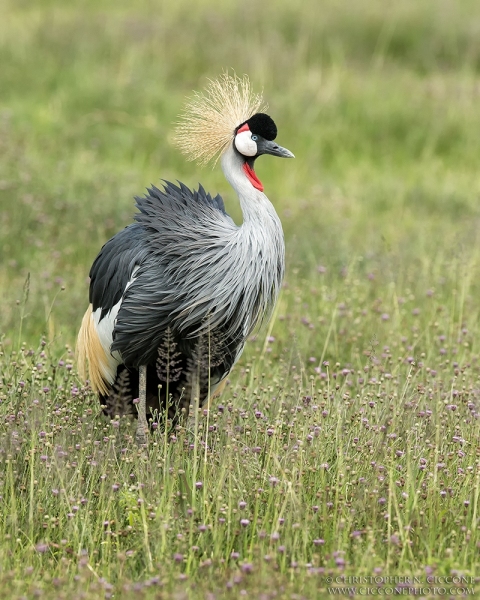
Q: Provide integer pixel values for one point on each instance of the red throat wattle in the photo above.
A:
(252, 177)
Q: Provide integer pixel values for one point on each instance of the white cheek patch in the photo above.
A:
(244, 143)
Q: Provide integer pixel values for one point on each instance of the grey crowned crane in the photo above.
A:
(184, 277)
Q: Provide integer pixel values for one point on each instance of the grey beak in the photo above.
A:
(274, 149)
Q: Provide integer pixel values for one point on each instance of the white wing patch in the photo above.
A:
(104, 328)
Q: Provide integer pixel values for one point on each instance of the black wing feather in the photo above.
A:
(114, 265)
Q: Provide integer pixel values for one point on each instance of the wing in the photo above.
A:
(114, 267)
(112, 272)
(133, 289)
(186, 232)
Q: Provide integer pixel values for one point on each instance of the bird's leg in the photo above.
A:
(142, 426)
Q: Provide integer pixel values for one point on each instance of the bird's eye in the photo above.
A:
(254, 138)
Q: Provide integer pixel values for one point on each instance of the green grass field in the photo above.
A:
(347, 441)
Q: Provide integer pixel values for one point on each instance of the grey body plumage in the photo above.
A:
(185, 270)
(201, 272)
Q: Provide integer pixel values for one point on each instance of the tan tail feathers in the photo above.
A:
(92, 360)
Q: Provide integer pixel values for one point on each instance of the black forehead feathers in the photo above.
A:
(263, 125)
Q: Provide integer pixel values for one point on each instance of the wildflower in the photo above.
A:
(395, 540)
(356, 534)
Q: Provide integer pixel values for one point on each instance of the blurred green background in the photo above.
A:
(378, 324)
(378, 100)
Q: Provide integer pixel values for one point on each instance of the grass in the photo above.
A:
(346, 444)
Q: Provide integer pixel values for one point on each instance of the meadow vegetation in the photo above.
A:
(347, 440)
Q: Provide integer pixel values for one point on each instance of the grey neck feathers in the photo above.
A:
(259, 240)
(256, 207)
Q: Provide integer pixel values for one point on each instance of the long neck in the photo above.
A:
(260, 244)
(257, 209)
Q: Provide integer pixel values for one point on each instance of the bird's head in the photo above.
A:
(228, 115)
(255, 137)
